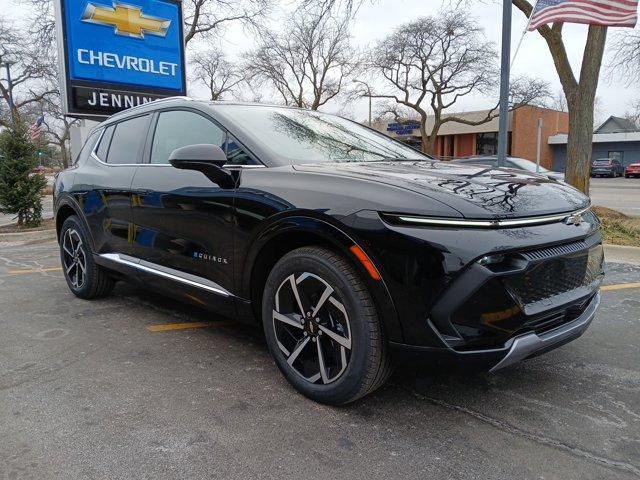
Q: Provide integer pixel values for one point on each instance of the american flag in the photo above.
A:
(36, 128)
(613, 13)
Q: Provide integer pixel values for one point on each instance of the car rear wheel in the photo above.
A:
(84, 278)
(322, 327)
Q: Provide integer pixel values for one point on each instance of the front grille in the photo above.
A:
(553, 276)
(556, 251)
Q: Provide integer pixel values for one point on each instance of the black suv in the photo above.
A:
(348, 248)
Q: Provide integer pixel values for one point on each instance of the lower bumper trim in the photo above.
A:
(532, 343)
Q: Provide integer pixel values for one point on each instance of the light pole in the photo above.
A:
(10, 90)
(368, 94)
(504, 82)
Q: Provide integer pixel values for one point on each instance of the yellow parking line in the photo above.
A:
(165, 327)
(619, 286)
(34, 270)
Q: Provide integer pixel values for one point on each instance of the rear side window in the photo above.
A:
(179, 128)
(105, 141)
(126, 143)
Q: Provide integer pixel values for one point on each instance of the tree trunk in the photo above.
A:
(579, 145)
(424, 144)
(580, 101)
(433, 138)
(428, 142)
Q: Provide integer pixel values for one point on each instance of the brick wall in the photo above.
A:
(465, 145)
(524, 132)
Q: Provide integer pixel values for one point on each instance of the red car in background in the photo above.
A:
(632, 170)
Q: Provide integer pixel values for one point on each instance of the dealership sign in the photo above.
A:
(117, 55)
(402, 128)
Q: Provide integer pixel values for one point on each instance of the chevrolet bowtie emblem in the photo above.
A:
(126, 19)
(573, 220)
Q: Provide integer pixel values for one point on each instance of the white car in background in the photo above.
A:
(512, 162)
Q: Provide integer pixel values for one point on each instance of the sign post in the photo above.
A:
(504, 82)
(116, 55)
(538, 144)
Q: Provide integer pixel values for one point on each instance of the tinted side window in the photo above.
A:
(105, 141)
(178, 128)
(236, 155)
(127, 140)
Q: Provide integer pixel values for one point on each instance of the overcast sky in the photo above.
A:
(377, 18)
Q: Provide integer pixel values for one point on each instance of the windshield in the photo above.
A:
(602, 162)
(527, 165)
(296, 136)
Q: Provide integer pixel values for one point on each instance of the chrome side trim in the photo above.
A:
(166, 272)
(447, 222)
(526, 345)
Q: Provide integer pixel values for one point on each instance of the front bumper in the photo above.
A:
(516, 349)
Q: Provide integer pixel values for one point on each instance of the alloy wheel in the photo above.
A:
(312, 328)
(74, 258)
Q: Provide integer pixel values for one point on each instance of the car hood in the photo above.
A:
(474, 191)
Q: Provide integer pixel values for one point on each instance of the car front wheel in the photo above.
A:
(322, 327)
(84, 278)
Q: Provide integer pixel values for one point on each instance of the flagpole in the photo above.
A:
(524, 32)
(504, 82)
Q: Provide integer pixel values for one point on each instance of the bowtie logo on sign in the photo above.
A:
(126, 20)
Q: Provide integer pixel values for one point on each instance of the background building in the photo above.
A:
(462, 140)
(615, 138)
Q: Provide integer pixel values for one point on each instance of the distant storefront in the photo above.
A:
(457, 139)
(616, 138)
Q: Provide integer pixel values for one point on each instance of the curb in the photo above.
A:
(620, 254)
(35, 235)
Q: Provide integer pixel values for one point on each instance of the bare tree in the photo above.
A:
(431, 63)
(218, 74)
(57, 127)
(559, 101)
(395, 111)
(210, 17)
(30, 67)
(633, 115)
(308, 61)
(625, 62)
(41, 21)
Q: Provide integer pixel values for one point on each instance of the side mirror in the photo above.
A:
(204, 158)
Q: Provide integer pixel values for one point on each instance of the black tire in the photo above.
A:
(89, 282)
(368, 365)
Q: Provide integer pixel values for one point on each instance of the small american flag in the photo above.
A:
(36, 128)
(613, 13)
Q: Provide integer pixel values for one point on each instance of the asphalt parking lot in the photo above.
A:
(119, 388)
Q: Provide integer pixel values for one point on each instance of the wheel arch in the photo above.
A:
(294, 232)
(65, 208)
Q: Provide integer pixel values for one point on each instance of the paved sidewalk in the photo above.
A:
(620, 254)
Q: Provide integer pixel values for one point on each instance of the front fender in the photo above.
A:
(308, 227)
